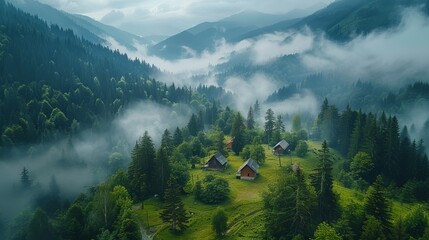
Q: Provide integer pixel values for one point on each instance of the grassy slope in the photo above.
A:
(244, 208)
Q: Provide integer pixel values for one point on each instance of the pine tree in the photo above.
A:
(378, 206)
(407, 159)
(163, 170)
(174, 212)
(39, 227)
(279, 128)
(141, 171)
(177, 137)
(322, 181)
(372, 230)
(327, 123)
(296, 123)
(257, 110)
(25, 179)
(269, 125)
(167, 141)
(250, 119)
(370, 135)
(289, 206)
(356, 138)
(347, 120)
(193, 125)
(74, 223)
(237, 132)
(391, 160)
(128, 228)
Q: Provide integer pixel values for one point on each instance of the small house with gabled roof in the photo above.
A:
(216, 162)
(248, 171)
(280, 147)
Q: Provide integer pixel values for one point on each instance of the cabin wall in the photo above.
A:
(247, 173)
(278, 150)
(213, 163)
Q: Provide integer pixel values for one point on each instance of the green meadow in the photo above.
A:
(244, 207)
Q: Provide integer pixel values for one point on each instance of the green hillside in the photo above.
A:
(244, 207)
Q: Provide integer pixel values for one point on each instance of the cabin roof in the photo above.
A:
(251, 163)
(220, 158)
(283, 144)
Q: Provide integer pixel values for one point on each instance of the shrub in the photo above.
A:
(212, 190)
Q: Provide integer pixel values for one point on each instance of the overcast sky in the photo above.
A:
(168, 17)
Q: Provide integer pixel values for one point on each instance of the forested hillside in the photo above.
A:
(93, 147)
(52, 81)
(376, 190)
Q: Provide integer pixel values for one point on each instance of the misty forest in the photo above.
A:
(307, 122)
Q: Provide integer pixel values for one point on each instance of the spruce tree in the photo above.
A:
(257, 110)
(177, 137)
(167, 141)
(162, 170)
(356, 138)
(141, 171)
(279, 128)
(39, 227)
(289, 206)
(269, 125)
(347, 120)
(407, 158)
(237, 132)
(391, 160)
(372, 230)
(193, 125)
(378, 206)
(25, 179)
(174, 212)
(322, 181)
(250, 119)
(296, 123)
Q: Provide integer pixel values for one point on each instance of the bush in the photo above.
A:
(415, 222)
(212, 190)
(301, 149)
(219, 222)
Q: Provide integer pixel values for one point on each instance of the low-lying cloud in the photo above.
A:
(81, 161)
(390, 57)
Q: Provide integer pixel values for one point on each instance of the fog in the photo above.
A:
(82, 161)
(392, 57)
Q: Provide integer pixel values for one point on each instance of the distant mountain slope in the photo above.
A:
(54, 82)
(344, 19)
(82, 26)
(204, 36)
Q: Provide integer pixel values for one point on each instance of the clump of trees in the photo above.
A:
(212, 190)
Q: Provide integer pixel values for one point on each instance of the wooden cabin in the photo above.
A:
(280, 147)
(216, 162)
(248, 171)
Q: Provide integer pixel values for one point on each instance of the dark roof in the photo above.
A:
(220, 158)
(251, 163)
(283, 144)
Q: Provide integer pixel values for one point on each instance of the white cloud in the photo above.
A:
(390, 57)
(247, 91)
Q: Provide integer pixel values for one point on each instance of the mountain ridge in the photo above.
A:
(83, 26)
